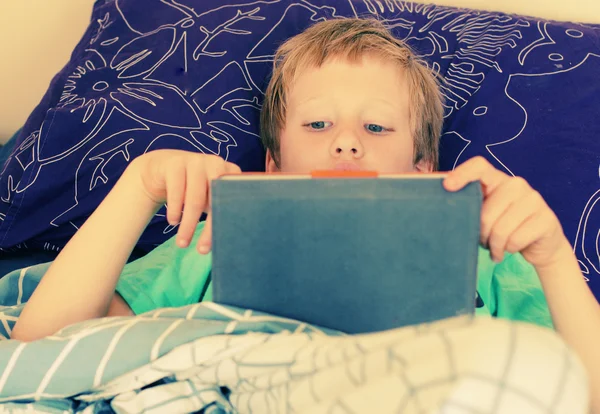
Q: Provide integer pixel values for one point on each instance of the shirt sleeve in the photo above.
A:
(168, 276)
(486, 300)
(518, 292)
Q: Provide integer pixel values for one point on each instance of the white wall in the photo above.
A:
(582, 11)
(37, 36)
(36, 40)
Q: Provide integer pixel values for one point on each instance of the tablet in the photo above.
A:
(353, 252)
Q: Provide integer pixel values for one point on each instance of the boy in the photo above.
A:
(345, 94)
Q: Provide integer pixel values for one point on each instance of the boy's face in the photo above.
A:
(350, 117)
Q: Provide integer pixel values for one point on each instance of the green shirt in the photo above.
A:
(170, 276)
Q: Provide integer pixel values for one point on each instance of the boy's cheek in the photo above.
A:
(300, 157)
(302, 163)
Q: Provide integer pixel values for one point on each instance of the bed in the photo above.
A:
(522, 92)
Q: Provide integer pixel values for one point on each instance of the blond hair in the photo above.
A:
(351, 39)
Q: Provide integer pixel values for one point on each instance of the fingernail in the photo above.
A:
(203, 249)
(182, 242)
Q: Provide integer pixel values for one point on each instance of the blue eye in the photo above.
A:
(377, 129)
(318, 125)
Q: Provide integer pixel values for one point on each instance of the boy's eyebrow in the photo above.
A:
(308, 100)
(310, 104)
(389, 104)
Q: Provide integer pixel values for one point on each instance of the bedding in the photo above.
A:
(22, 259)
(209, 358)
(18, 259)
(190, 74)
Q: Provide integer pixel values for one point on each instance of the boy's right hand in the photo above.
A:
(182, 180)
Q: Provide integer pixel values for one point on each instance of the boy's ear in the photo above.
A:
(424, 166)
(270, 164)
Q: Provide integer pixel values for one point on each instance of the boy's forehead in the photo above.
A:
(344, 86)
(375, 68)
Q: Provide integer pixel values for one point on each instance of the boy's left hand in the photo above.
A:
(514, 217)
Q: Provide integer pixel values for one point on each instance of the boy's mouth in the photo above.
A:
(346, 166)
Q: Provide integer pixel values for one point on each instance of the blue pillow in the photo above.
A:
(190, 74)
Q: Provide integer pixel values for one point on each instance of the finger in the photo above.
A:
(510, 223)
(221, 168)
(498, 202)
(175, 185)
(217, 168)
(205, 240)
(195, 203)
(231, 168)
(528, 233)
(475, 169)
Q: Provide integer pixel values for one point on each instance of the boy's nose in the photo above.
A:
(347, 145)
